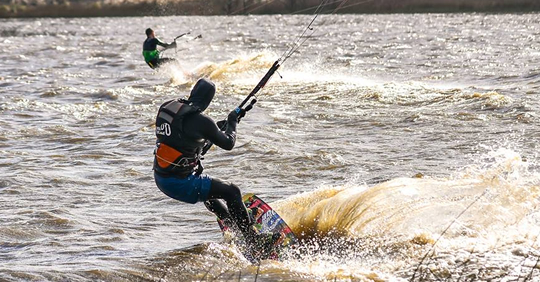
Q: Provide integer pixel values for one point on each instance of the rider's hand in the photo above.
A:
(236, 115)
(172, 45)
(241, 113)
(233, 116)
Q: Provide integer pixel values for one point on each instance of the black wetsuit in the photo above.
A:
(194, 128)
(151, 54)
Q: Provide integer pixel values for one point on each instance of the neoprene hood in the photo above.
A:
(202, 93)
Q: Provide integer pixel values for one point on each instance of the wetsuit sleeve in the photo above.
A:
(160, 43)
(201, 126)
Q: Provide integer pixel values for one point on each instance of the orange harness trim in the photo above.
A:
(167, 155)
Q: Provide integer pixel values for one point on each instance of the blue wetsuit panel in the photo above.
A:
(192, 189)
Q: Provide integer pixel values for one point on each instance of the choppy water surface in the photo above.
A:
(383, 131)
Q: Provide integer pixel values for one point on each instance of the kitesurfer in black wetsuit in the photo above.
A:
(182, 132)
(150, 52)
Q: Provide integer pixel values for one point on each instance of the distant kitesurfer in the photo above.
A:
(150, 52)
(182, 132)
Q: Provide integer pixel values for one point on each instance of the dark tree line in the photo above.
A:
(88, 8)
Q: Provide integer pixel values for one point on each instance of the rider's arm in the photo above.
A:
(201, 126)
(160, 43)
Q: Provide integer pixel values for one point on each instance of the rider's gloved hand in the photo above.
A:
(233, 116)
(236, 114)
(240, 112)
(172, 45)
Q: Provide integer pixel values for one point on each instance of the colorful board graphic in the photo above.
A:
(277, 236)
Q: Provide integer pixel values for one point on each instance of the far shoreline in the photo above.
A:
(143, 8)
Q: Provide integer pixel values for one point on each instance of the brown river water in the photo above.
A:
(384, 132)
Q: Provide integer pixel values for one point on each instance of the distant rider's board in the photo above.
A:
(277, 236)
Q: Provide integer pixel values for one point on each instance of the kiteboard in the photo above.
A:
(274, 235)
